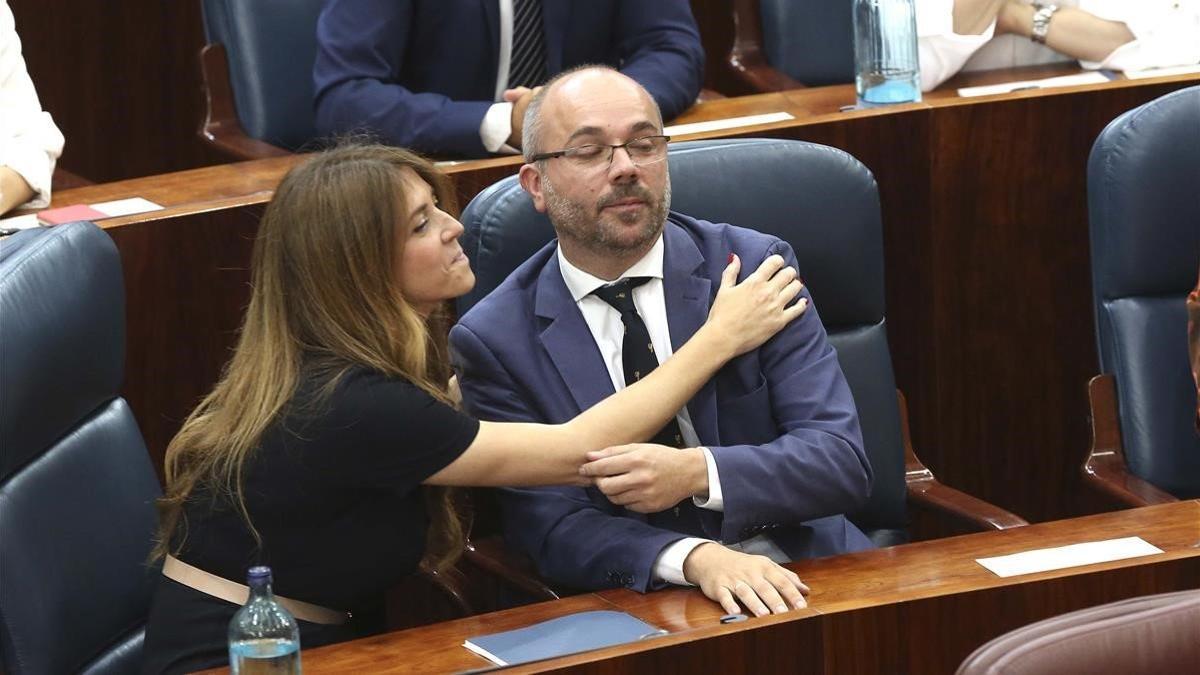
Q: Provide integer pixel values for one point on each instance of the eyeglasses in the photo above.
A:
(641, 151)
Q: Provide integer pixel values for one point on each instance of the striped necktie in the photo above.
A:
(527, 67)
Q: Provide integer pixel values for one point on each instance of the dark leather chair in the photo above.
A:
(787, 44)
(826, 204)
(257, 72)
(1153, 634)
(1144, 212)
(77, 488)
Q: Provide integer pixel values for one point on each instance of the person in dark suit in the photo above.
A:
(766, 457)
(455, 76)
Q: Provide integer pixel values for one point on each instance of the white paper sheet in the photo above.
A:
(728, 123)
(1046, 83)
(126, 207)
(1162, 72)
(1045, 559)
(25, 222)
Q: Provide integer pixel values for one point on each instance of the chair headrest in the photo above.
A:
(812, 41)
(800, 192)
(63, 349)
(1144, 199)
(271, 46)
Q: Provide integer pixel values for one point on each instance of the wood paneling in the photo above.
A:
(121, 80)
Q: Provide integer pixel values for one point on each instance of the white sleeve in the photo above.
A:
(715, 501)
(669, 565)
(29, 141)
(1165, 33)
(496, 127)
(941, 51)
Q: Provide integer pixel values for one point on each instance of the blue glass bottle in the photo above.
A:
(263, 637)
(885, 52)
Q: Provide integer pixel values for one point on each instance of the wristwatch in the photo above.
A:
(1041, 22)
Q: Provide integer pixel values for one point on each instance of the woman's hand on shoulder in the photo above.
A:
(748, 314)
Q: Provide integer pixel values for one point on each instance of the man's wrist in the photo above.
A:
(694, 563)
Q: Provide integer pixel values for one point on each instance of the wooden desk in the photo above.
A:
(918, 608)
(985, 226)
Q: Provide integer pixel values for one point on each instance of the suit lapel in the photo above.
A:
(491, 13)
(568, 340)
(556, 16)
(686, 291)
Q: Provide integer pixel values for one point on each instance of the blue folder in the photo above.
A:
(558, 637)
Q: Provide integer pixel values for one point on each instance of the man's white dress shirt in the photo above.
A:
(497, 122)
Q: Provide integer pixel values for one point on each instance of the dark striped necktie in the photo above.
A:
(527, 67)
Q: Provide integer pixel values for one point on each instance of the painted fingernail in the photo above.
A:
(780, 609)
(730, 261)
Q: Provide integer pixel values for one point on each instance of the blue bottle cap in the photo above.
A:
(259, 574)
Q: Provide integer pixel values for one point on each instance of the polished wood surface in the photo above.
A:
(917, 608)
(985, 232)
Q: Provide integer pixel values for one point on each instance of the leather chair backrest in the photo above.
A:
(271, 46)
(819, 199)
(77, 488)
(1144, 212)
(811, 41)
(1153, 634)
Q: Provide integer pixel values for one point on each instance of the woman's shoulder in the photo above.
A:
(354, 394)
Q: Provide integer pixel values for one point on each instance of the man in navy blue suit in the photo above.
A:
(761, 463)
(455, 76)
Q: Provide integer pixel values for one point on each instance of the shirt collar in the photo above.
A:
(581, 284)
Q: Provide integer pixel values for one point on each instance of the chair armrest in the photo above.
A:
(489, 555)
(923, 487)
(984, 515)
(452, 584)
(746, 59)
(1105, 467)
(221, 127)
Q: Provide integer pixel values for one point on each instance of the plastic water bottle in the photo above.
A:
(263, 637)
(885, 52)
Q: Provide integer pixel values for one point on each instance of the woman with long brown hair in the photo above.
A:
(326, 448)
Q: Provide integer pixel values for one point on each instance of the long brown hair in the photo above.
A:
(323, 299)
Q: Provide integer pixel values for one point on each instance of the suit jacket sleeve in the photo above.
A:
(659, 46)
(360, 47)
(574, 535)
(817, 466)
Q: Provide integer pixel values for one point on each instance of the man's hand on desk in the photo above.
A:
(648, 478)
(730, 577)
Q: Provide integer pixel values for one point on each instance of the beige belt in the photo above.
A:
(230, 591)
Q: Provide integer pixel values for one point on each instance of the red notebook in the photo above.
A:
(70, 214)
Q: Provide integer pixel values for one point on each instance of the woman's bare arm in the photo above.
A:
(742, 318)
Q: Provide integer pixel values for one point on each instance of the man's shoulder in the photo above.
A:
(715, 241)
(511, 303)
